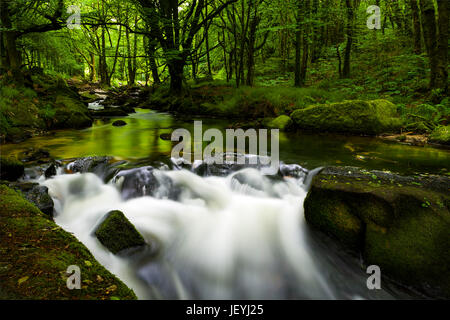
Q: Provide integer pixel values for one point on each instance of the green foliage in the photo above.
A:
(47, 112)
(441, 135)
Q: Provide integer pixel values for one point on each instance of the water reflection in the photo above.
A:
(140, 139)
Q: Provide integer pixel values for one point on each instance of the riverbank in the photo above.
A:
(308, 109)
(40, 104)
(35, 255)
(48, 103)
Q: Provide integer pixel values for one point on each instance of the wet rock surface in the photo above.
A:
(89, 164)
(398, 223)
(36, 194)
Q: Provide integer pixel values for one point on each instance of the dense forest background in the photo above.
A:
(246, 42)
(337, 49)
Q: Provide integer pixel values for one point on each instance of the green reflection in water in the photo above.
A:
(140, 139)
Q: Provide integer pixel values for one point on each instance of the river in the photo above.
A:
(238, 235)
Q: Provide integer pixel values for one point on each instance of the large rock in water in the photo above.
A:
(117, 233)
(357, 117)
(10, 169)
(70, 113)
(401, 224)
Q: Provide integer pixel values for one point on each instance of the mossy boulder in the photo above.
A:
(441, 135)
(399, 223)
(282, 122)
(70, 113)
(10, 168)
(35, 254)
(117, 233)
(36, 194)
(356, 117)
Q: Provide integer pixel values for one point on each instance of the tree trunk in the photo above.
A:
(348, 46)
(176, 76)
(298, 39)
(442, 70)
(208, 58)
(305, 54)
(429, 34)
(416, 27)
(13, 57)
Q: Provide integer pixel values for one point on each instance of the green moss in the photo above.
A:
(117, 233)
(441, 135)
(282, 122)
(35, 254)
(10, 168)
(388, 222)
(326, 211)
(70, 113)
(357, 116)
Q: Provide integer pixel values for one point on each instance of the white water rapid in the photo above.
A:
(240, 236)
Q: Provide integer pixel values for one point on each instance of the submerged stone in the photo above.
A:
(117, 233)
(399, 223)
(356, 116)
(119, 123)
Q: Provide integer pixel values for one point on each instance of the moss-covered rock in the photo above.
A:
(35, 254)
(117, 233)
(36, 194)
(357, 116)
(441, 135)
(70, 113)
(10, 168)
(282, 122)
(46, 103)
(399, 223)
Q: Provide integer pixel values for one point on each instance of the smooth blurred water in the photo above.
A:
(242, 236)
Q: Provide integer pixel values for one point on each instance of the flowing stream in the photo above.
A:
(216, 233)
(241, 235)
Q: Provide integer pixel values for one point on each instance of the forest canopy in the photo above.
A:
(238, 41)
